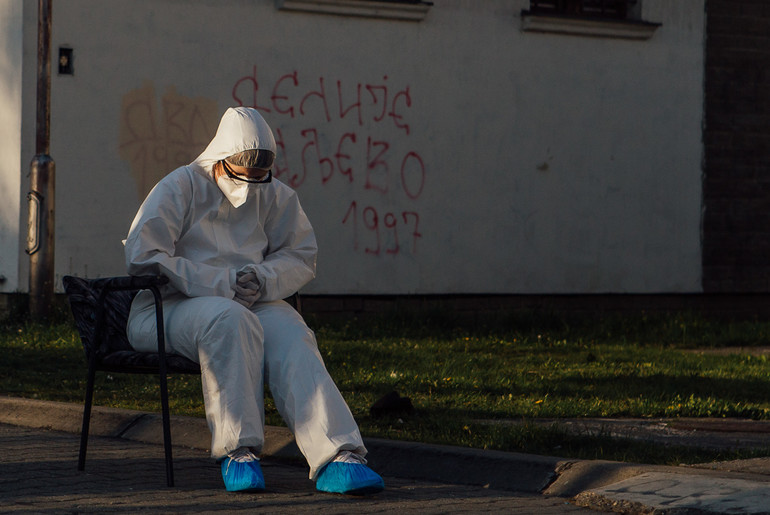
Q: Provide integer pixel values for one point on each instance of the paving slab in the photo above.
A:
(680, 493)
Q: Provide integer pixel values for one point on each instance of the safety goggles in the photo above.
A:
(230, 173)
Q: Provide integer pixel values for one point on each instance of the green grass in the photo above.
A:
(461, 373)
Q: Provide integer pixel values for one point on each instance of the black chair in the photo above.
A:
(100, 308)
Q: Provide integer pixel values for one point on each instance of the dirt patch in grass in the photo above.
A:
(727, 351)
(702, 433)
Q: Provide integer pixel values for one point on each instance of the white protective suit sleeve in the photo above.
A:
(150, 245)
(290, 259)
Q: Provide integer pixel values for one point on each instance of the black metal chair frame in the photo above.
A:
(96, 363)
(99, 358)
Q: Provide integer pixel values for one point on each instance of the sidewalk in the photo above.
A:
(38, 475)
(419, 476)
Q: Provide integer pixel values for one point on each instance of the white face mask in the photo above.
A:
(235, 191)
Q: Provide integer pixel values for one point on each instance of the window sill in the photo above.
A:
(365, 8)
(571, 25)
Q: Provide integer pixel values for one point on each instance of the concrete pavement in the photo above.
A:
(38, 475)
(125, 472)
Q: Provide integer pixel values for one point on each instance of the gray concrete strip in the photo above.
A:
(63, 416)
(574, 477)
(680, 493)
(491, 469)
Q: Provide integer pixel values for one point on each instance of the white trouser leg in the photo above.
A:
(226, 339)
(304, 393)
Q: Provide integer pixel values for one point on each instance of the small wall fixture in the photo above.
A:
(65, 61)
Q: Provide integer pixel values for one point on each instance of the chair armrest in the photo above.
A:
(131, 282)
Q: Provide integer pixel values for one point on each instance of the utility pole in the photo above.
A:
(40, 229)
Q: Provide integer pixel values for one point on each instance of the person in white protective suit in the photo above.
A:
(234, 242)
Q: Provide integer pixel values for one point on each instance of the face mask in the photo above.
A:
(235, 191)
(236, 187)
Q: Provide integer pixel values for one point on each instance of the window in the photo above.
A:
(598, 18)
(609, 9)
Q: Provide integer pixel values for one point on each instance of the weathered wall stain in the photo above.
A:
(156, 139)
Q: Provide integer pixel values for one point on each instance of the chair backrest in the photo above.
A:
(83, 295)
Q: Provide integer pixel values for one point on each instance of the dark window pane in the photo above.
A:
(617, 9)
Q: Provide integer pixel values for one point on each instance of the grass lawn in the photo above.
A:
(461, 373)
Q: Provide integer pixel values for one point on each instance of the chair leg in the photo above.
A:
(163, 384)
(86, 416)
(166, 429)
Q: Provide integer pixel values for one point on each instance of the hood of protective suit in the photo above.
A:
(241, 128)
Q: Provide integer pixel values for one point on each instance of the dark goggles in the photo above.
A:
(236, 177)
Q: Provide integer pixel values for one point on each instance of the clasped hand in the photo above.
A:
(246, 288)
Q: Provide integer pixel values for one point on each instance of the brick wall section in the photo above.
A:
(736, 187)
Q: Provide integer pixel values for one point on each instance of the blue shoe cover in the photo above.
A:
(349, 478)
(242, 476)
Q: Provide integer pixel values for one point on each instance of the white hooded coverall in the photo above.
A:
(199, 234)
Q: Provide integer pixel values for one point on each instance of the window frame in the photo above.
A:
(542, 20)
(405, 10)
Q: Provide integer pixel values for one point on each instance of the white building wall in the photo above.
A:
(465, 155)
(11, 48)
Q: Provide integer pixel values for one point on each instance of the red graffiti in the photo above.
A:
(281, 167)
(376, 168)
(248, 84)
(347, 172)
(370, 220)
(322, 162)
(321, 94)
(372, 169)
(397, 117)
(415, 170)
(350, 138)
(291, 94)
(383, 105)
(276, 97)
(356, 106)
